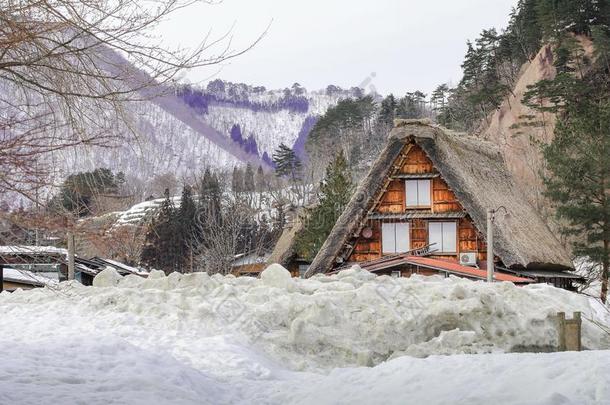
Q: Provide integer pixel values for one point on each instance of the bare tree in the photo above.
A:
(239, 227)
(216, 254)
(161, 182)
(68, 66)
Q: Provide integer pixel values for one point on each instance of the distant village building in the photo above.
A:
(13, 279)
(28, 267)
(422, 209)
(85, 270)
(249, 264)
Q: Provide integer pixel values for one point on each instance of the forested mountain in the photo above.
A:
(257, 119)
(183, 130)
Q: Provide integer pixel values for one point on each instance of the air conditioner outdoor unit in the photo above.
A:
(468, 259)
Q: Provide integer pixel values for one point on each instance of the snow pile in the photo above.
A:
(108, 277)
(277, 276)
(352, 318)
(517, 378)
(197, 338)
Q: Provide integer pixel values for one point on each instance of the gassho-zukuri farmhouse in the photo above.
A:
(422, 209)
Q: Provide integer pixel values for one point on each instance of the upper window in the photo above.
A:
(417, 193)
(442, 236)
(395, 237)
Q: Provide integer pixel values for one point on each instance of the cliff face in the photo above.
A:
(520, 144)
(517, 144)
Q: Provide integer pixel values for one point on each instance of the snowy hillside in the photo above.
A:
(193, 339)
(269, 117)
(166, 135)
(269, 129)
(162, 144)
(161, 131)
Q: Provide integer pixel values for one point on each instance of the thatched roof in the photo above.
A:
(285, 249)
(475, 171)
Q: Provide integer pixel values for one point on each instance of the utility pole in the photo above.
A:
(1, 277)
(491, 216)
(490, 245)
(71, 255)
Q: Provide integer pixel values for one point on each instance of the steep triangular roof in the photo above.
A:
(285, 250)
(475, 171)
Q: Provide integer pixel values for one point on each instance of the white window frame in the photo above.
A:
(423, 193)
(390, 243)
(448, 241)
(396, 274)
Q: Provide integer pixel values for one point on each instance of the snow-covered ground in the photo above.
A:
(195, 339)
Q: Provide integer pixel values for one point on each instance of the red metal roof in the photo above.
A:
(442, 264)
(456, 268)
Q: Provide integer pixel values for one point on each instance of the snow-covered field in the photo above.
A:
(195, 339)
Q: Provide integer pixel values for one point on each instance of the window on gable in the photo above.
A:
(395, 237)
(418, 193)
(442, 236)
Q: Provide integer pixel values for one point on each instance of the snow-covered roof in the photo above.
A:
(250, 258)
(263, 200)
(138, 212)
(37, 250)
(27, 277)
(122, 266)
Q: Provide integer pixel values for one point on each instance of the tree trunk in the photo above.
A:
(604, 293)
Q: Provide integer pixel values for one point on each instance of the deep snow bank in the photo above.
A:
(94, 372)
(352, 318)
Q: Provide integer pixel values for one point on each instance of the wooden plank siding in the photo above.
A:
(393, 201)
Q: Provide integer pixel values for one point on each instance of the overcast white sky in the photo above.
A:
(408, 44)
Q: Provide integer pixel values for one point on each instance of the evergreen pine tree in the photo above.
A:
(577, 158)
(250, 146)
(287, 163)
(249, 185)
(438, 98)
(161, 250)
(335, 192)
(387, 111)
(260, 180)
(580, 181)
(209, 208)
(237, 180)
(187, 230)
(236, 135)
(265, 158)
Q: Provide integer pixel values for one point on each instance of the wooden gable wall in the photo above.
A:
(393, 201)
(443, 199)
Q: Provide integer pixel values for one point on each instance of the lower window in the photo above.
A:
(395, 237)
(442, 236)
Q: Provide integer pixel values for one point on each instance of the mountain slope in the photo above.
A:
(171, 136)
